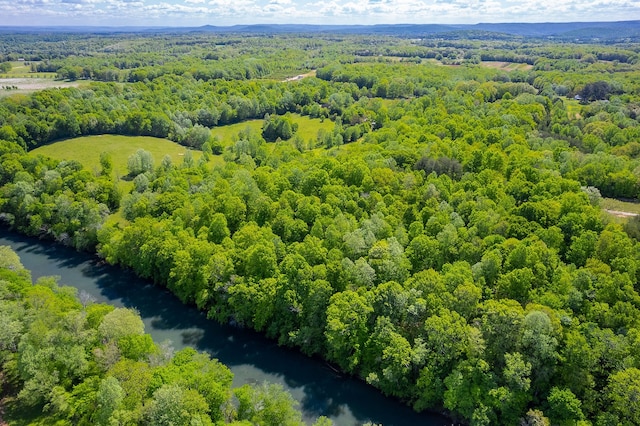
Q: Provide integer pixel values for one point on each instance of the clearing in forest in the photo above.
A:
(11, 86)
(619, 208)
(307, 128)
(87, 150)
(506, 66)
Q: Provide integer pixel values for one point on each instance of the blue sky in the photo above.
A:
(230, 12)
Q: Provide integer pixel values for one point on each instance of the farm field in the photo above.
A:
(22, 69)
(24, 85)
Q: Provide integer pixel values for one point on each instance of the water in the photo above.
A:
(251, 357)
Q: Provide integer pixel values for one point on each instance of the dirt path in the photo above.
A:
(311, 73)
(619, 213)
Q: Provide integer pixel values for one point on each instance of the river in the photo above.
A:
(251, 357)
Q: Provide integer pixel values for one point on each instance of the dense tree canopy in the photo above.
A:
(444, 242)
(93, 364)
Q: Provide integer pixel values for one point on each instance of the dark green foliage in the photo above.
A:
(442, 165)
(278, 128)
(595, 91)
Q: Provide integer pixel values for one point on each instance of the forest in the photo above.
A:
(448, 241)
(92, 364)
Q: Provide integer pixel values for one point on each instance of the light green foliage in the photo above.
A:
(140, 162)
(434, 230)
(347, 331)
(197, 372)
(624, 391)
(108, 399)
(9, 259)
(174, 405)
(267, 404)
(564, 407)
(119, 323)
(50, 346)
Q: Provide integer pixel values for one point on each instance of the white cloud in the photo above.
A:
(81, 1)
(228, 12)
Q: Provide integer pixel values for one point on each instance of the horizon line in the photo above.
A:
(322, 25)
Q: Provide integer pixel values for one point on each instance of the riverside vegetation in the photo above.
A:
(95, 364)
(442, 238)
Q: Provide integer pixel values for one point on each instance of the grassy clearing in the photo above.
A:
(12, 86)
(22, 69)
(87, 150)
(573, 109)
(506, 66)
(620, 206)
(307, 128)
(229, 134)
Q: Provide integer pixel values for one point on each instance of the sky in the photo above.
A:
(180, 13)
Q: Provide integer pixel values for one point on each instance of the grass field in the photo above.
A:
(12, 86)
(87, 150)
(620, 206)
(307, 128)
(23, 69)
(506, 66)
(20, 80)
(228, 134)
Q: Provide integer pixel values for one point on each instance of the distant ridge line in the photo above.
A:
(605, 29)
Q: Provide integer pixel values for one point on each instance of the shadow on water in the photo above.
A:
(252, 357)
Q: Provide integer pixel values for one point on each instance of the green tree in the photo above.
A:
(267, 404)
(119, 323)
(347, 328)
(623, 392)
(564, 407)
(174, 405)
(140, 162)
(108, 399)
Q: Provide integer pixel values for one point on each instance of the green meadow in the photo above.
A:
(23, 69)
(620, 205)
(87, 150)
(307, 128)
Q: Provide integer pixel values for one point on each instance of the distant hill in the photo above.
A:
(575, 31)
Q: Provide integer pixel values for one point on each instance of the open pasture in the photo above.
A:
(87, 150)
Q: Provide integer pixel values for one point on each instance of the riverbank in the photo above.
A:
(251, 357)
